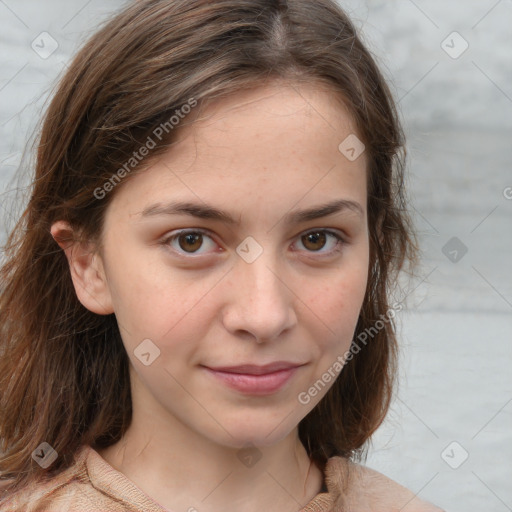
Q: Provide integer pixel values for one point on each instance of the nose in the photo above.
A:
(260, 303)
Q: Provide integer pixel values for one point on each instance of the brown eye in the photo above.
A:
(314, 240)
(190, 242)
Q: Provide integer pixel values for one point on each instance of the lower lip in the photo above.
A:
(255, 384)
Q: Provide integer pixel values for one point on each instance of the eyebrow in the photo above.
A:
(205, 211)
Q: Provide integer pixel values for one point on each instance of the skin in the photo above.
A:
(259, 155)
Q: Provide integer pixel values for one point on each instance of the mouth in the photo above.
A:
(254, 369)
(254, 379)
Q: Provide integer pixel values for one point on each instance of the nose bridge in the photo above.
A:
(260, 276)
(263, 278)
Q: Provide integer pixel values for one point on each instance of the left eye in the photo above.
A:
(313, 238)
(191, 241)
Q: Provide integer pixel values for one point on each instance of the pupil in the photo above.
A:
(315, 238)
(190, 239)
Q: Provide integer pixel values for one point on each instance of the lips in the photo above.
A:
(255, 379)
(253, 369)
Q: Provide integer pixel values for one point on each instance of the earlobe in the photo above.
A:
(86, 268)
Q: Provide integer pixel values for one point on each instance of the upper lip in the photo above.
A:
(253, 369)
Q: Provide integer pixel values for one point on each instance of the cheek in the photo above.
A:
(336, 308)
(159, 303)
(342, 296)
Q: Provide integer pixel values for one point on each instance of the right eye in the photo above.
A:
(186, 241)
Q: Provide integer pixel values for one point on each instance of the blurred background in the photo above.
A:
(448, 436)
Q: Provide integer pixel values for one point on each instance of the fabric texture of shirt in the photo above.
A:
(92, 485)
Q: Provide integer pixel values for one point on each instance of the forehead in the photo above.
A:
(309, 104)
(279, 144)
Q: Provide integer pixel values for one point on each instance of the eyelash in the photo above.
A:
(339, 239)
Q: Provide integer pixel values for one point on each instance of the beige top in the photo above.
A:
(92, 485)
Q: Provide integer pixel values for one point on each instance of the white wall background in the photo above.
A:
(456, 384)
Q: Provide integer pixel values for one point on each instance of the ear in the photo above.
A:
(87, 269)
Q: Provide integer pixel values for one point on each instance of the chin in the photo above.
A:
(260, 433)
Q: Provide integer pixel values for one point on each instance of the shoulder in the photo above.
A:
(362, 489)
(45, 494)
(88, 484)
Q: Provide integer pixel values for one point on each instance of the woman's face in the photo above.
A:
(192, 291)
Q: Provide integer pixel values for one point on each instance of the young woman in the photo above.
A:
(195, 304)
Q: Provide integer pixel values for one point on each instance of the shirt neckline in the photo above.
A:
(112, 482)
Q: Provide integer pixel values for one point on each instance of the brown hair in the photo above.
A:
(64, 374)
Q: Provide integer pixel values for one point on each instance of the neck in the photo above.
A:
(182, 470)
